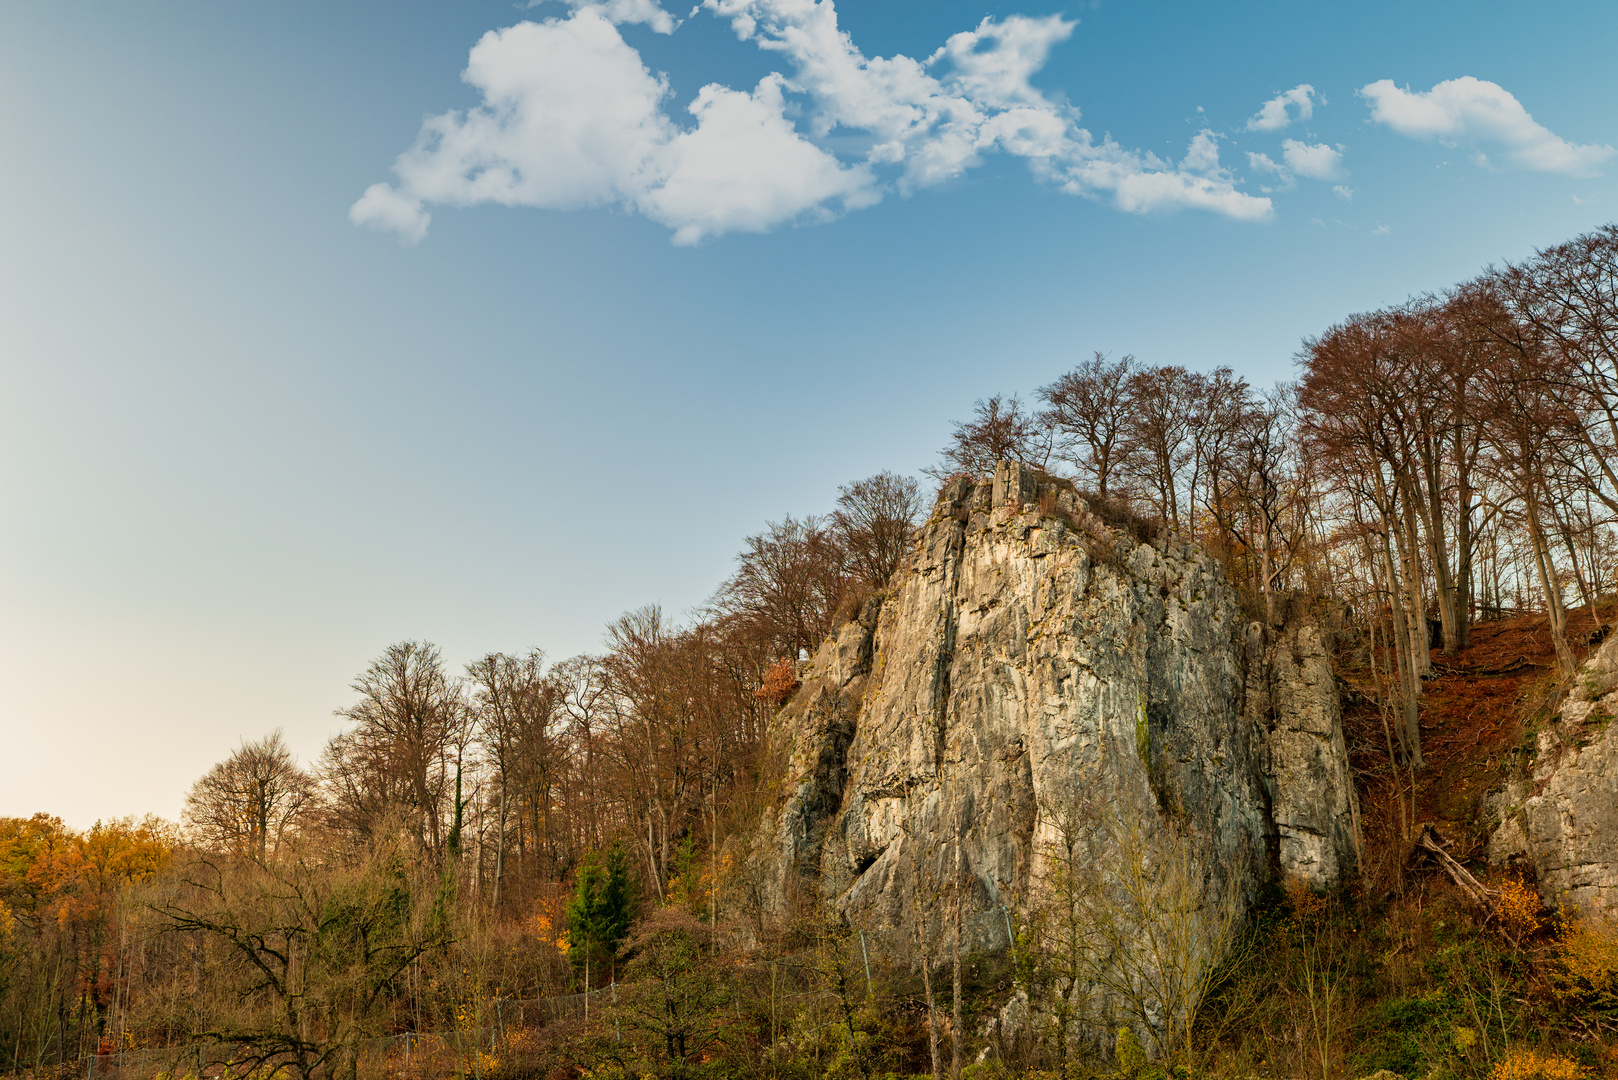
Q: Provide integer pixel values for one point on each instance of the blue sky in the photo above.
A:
(245, 443)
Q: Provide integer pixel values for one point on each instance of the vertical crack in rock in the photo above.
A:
(941, 684)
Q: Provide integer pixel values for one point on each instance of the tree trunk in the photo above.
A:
(1401, 652)
(500, 848)
(927, 987)
(1555, 613)
(1464, 543)
(1387, 735)
(955, 958)
(1409, 546)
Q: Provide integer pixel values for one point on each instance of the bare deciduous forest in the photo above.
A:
(530, 867)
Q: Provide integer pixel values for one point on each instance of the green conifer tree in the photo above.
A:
(600, 911)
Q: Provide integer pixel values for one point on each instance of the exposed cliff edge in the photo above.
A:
(1029, 662)
(1559, 815)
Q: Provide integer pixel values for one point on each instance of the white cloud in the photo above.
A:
(1381, 230)
(624, 11)
(1475, 109)
(383, 208)
(1312, 162)
(571, 117)
(1343, 191)
(992, 64)
(1202, 156)
(1143, 190)
(1276, 113)
(1317, 162)
(1262, 163)
(744, 167)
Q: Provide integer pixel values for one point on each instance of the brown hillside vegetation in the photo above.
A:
(1476, 710)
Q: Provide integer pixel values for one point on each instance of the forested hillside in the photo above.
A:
(534, 866)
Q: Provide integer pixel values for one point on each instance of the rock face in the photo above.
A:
(1030, 668)
(1293, 699)
(1559, 815)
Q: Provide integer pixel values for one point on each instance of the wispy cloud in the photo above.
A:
(1478, 111)
(571, 117)
(1312, 161)
(1282, 109)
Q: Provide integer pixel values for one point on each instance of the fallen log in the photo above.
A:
(1429, 841)
(1516, 665)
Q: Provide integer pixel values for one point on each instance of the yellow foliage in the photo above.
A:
(1517, 908)
(546, 927)
(478, 1063)
(1521, 1063)
(1589, 960)
(78, 876)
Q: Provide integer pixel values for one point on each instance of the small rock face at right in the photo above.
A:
(1558, 814)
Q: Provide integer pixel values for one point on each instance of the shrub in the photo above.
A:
(1588, 969)
(1520, 1063)
(1130, 1053)
(780, 680)
(1516, 907)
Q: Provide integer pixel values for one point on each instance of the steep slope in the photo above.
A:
(1029, 673)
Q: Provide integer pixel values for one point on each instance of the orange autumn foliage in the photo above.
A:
(780, 680)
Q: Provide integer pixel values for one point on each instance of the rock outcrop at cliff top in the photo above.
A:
(1028, 663)
(1559, 816)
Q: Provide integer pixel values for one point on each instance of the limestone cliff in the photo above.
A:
(1029, 663)
(1559, 815)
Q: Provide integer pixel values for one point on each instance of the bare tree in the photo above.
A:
(663, 730)
(1089, 408)
(874, 522)
(1151, 924)
(410, 727)
(1265, 487)
(1527, 433)
(1220, 415)
(516, 706)
(250, 802)
(1160, 412)
(587, 707)
(303, 953)
(1356, 395)
(1000, 430)
(1567, 298)
(787, 583)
